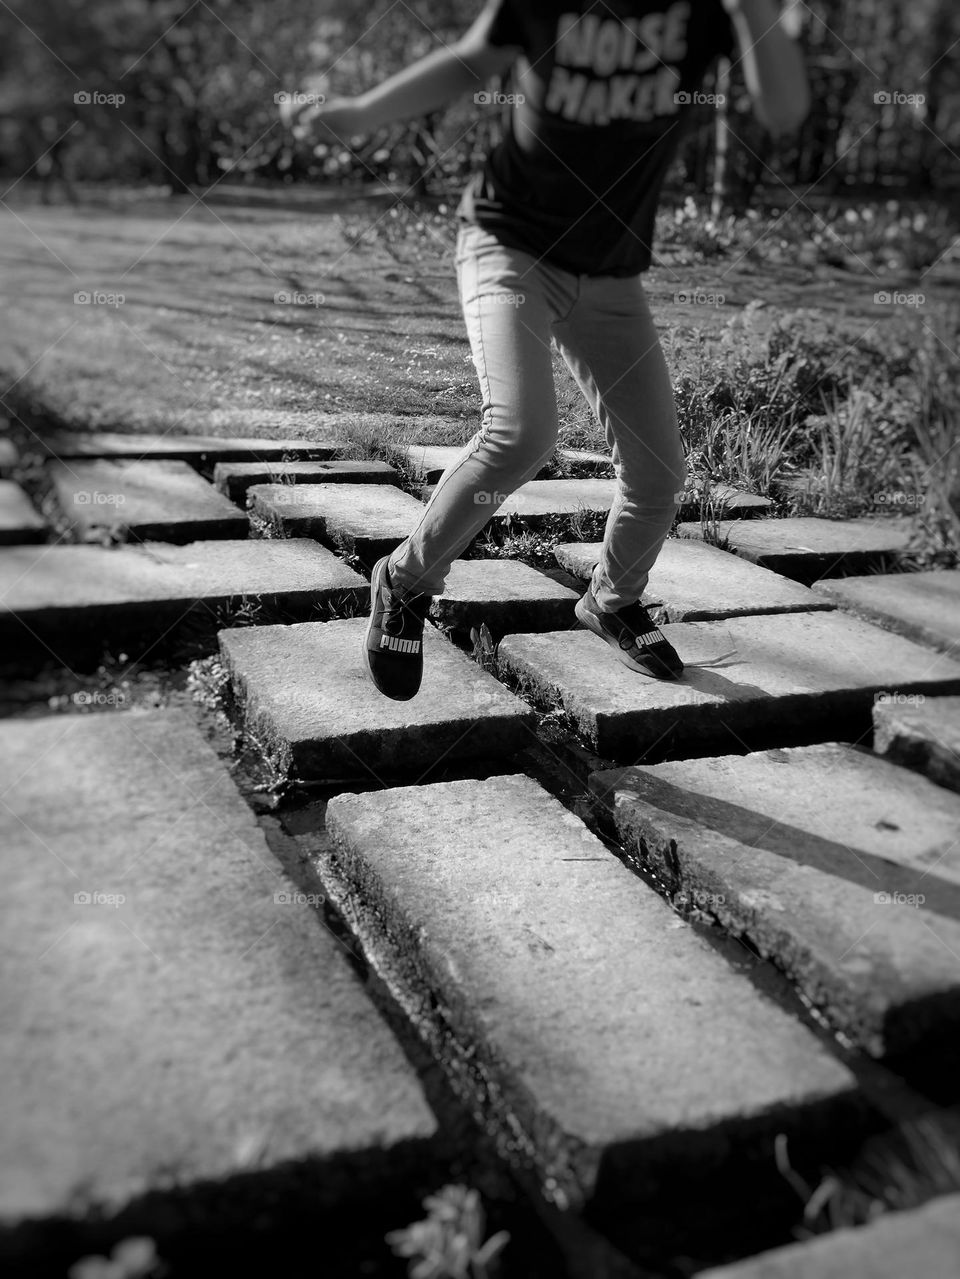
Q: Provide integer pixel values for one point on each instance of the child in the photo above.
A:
(555, 232)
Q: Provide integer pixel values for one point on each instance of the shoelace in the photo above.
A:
(405, 608)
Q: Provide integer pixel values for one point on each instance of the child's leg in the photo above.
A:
(509, 302)
(611, 346)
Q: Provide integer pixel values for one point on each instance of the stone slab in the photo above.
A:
(615, 1043)
(921, 733)
(233, 479)
(807, 549)
(206, 1017)
(693, 582)
(922, 1241)
(304, 693)
(19, 522)
(586, 462)
(8, 456)
(723, 499)
(538, 500)
(366, 520)
(69, 601)
(923, 606)
(505, 594)
(841, 867)
(145, 501)
(427, 462)
(196, 449)
(786, 672)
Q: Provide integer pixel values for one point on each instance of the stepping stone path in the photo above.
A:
(787, 672)
(693, 582)
(365, 520)
(609, 1041)
(585, 462)
(19, 522)
(724, 499)
(428, 462)
(856, 895)
(537, 500)
(923, 606)
(506, 595)
(807, 549)
(76, 600)
(171, 1000)
(921, 733)
(304, 694)
(160, 501)
(233, 479)
(197, 449)
(922, 1241)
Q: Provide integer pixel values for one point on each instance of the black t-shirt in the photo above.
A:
(607, 91)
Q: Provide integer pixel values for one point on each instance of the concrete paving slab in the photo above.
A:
(305, 695)
(785, 673)
(196, 449)
(538, 500)
(807, 549)
(923, 606)
(505, 594)
(366, 520)
(922, 1241)
(75, 601)
(724, 500)
(921, 733)
(834, 863)
(19, 522)
(144, 501)
(616, 1045)
(586, 462)
(172, 1002)
(427, 462)
(233, 479)
(693, 582)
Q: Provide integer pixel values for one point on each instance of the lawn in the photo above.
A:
(257, 312)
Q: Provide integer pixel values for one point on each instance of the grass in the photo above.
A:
(795, 385)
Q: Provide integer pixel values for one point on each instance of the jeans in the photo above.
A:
(513, 304)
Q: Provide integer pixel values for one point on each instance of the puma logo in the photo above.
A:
(399, 645)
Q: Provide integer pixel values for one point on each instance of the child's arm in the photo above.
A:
(772, 65)
(438, 78)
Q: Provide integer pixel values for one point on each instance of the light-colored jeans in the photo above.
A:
(513, 303)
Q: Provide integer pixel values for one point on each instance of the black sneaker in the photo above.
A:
(633, 635)
(393, 645)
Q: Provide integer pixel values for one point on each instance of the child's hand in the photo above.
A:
(334, 120)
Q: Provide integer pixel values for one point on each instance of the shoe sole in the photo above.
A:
(587, 619)
(376, 583)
